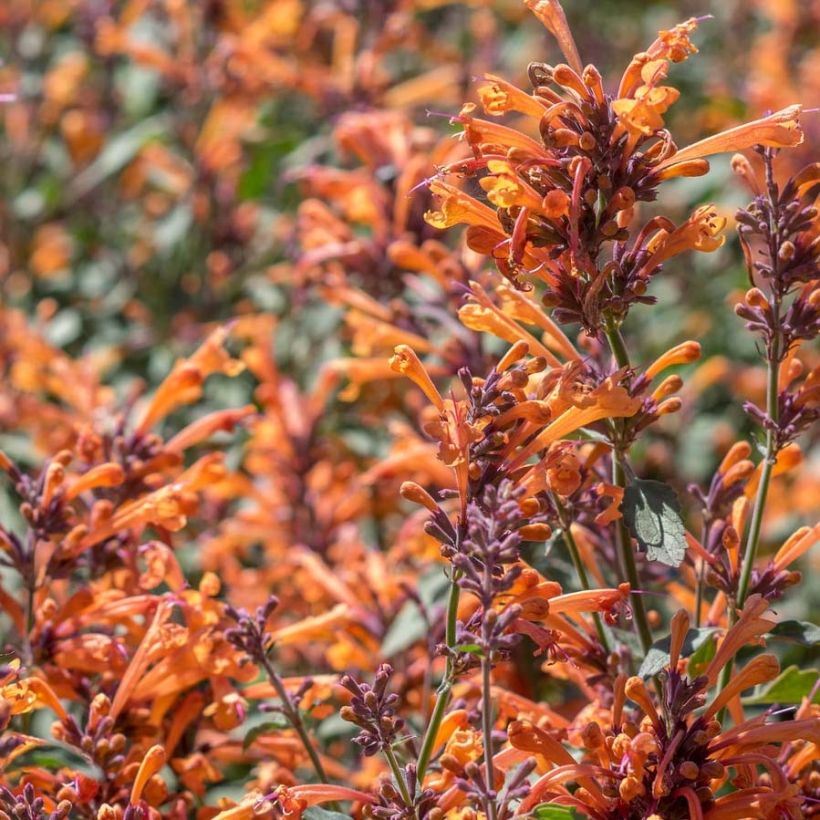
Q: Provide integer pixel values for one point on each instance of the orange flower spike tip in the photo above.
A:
(552, 16)
(153, 761)
(535, 532)
(684, 353)
(778, 130)
(738, 472)
(103, 475)
(669, 406)
(406, 362)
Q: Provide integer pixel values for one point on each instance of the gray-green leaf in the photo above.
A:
(651, 512)
(802, 632)
(657, 658)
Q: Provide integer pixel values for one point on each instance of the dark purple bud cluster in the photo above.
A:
(492, 543)
(779, 238)
(391, 805)
(483, 560)
(250, 633)
(373, 710)
(772, 582)
(777, 225)
(28, 806)
(797, 412)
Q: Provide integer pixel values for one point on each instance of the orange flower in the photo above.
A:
(779, 130)
(456, 208)
(701, 232)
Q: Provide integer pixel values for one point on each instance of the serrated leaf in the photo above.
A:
(802, 632)
(268, 727)
(657, 658)
(651, 512)
(790, 686)
(555, 811)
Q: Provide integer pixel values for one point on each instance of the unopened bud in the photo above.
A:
(689, 770)
(535, 532)
(411, 491)
(756, 298)
(786, 251)
(587, 141)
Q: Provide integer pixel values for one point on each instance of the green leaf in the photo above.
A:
(64, 328)
(651, 512)
(802, 632)
(702, 656)
(555, 811)
(790, 686)
(278, 723)
(657, 658)
(407, 628)
(469, 648)
(318, 813)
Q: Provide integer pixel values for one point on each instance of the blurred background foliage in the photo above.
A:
(153, 154)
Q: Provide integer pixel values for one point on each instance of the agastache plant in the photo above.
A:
(352, 468)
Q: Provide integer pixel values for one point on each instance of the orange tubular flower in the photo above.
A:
(153, 761)
(779, 130)
(701, 232)
(608, 400)
(457, 208)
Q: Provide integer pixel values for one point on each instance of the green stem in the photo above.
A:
(753, 539)
(399, 777)
(444, 688)
(295, 719)
(580, 569)
(623, 540)
(627, 556)
(487, 727)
